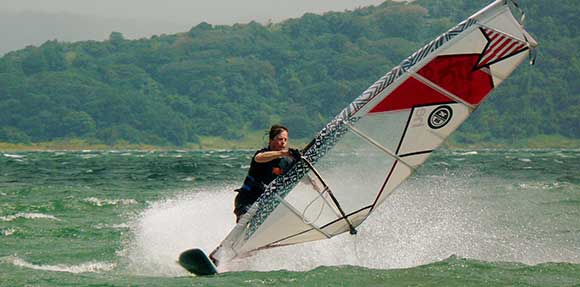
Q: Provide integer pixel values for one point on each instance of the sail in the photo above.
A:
(384, 135)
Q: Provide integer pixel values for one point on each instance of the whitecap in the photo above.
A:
(27, 216)
(524, 159)
(112, 226)
(88, 156)
(15, 156)
(467, 153)
(7, 232)
(561, 154)
(189, 178)
(103, 202)
(88, 267)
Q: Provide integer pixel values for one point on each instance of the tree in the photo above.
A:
(34, 62)
(13, 135)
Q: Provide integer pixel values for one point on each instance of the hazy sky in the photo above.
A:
(187, 11)
(33, 22)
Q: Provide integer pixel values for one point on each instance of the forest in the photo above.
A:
(229, 81)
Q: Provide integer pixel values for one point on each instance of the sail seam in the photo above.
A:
(442, 90)
(379, 146)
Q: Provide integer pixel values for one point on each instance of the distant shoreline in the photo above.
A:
(215, 143)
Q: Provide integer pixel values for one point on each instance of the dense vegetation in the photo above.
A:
(228, 80)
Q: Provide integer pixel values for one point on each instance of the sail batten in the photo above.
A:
(442, 90)
(379, 146)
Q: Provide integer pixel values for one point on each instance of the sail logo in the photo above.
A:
(440, 117)
(418, 118)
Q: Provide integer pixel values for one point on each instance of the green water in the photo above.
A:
(467, 218)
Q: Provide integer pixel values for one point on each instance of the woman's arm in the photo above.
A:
(271, 155)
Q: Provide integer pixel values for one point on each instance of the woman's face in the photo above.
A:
(279, 142)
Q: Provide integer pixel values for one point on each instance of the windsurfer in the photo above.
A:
(266, 165)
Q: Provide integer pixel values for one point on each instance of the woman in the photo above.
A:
(267, 164)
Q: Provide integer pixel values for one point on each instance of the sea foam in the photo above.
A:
(194, 219)
(27, 216)
(427, 220)
(88, 267)
(104, 202)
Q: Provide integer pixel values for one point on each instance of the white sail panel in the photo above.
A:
(506, 23)
(355, 219)
(386, 128)
(399, 173)
(355, 170)
(333, 228)
(430, 125)
(313, 203)
(311, 235)
(501, 70)
(473, 43)
(282, 222)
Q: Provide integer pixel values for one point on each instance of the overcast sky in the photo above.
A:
(187, 11)
(33, 22)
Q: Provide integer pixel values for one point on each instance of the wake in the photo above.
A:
(427, 220)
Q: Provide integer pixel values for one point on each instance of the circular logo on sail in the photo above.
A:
(440, 117)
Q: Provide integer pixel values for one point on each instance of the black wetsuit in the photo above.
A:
(259, 176)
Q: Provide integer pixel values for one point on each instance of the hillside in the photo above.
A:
(229, 81)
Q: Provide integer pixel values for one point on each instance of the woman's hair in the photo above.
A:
(276, 130)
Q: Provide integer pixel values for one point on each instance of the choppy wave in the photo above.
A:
(27, 216)
(15, 156)
(104, 202)
(7, 232)
(112, 226)
(88, 267)
(88, 156)
(466, 153)
(541, 185)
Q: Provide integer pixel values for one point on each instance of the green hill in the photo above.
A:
(229, 81)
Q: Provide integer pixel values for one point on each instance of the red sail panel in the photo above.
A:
(456, 74)
(409, 94)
